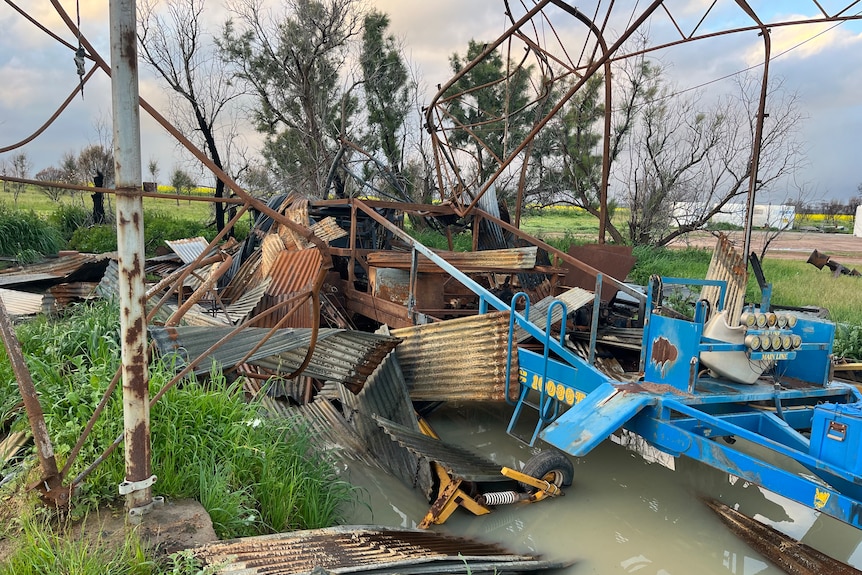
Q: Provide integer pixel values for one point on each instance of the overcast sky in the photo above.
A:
(37, 73)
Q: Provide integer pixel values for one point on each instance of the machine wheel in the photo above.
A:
(550, 465)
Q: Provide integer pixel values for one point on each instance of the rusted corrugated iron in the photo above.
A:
(67, 268)
(328, 229)
(346, 357)
(188, 249)
(196, 315)
(292, 272)
(185, 343)
(458, 461)
(508, 259)
(574, 298)
(61, 295)
(19, 303)
(348, 549)
(458, 359)
(271, 247)
(249, 273)
(728, 265)
(240, 308)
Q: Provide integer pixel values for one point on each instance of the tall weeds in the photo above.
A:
(26, 236)
(253, 473)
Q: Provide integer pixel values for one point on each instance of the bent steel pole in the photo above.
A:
(757, 138)
(130, 247)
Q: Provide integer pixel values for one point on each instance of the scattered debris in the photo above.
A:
(819, 260)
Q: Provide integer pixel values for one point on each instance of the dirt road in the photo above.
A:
(843, 248)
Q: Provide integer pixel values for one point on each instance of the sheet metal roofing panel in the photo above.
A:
(346, 357)
(69, 268)
(248, 274)
(574, 298)
(270, 249)
(512, 258)
(188, 249)
(729, 265)
(247, 301)
(328, 229)
(347, 549)
(19, 303)
(186, 343)
(294, 271)
(458, 461)
(385, 394)
(332, 432)
(197, 315)
(458, 359)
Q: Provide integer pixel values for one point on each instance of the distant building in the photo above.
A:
(765, 215)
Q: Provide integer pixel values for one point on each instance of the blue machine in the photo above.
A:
(714, 392)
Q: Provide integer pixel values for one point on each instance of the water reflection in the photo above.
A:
(621, 515)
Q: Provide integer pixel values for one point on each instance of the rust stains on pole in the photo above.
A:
(130, 244)
(50, 485)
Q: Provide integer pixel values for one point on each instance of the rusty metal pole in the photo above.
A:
(757, 138)
(50, 483)
(130, 244)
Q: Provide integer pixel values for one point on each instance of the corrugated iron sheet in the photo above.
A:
(458, 359)
(292, 272)
(574, 298)
(507, 259)
(348, 549)
(185, 343)
(328, 229)
(385, 394)
(247, 301)
(248, 274)
(728, 265)
(346, 357)
(197, 316)
(332, 432)
(270, 249)
(19, 303)
(67, 268)
(457, 460)
(188, 249)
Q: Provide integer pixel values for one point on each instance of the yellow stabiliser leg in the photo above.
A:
(544, 488)
(449, 498)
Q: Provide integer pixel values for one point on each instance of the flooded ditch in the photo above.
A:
(621, 515)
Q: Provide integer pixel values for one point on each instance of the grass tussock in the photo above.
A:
(45, 547)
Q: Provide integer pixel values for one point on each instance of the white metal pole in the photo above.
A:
(130, 244)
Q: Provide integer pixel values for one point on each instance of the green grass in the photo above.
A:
(44, 548)
(253, 473)
(32, 199)
(26, 236)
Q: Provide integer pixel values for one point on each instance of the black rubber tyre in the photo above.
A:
(550, 465)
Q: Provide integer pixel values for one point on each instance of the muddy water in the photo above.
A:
(621, 515)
